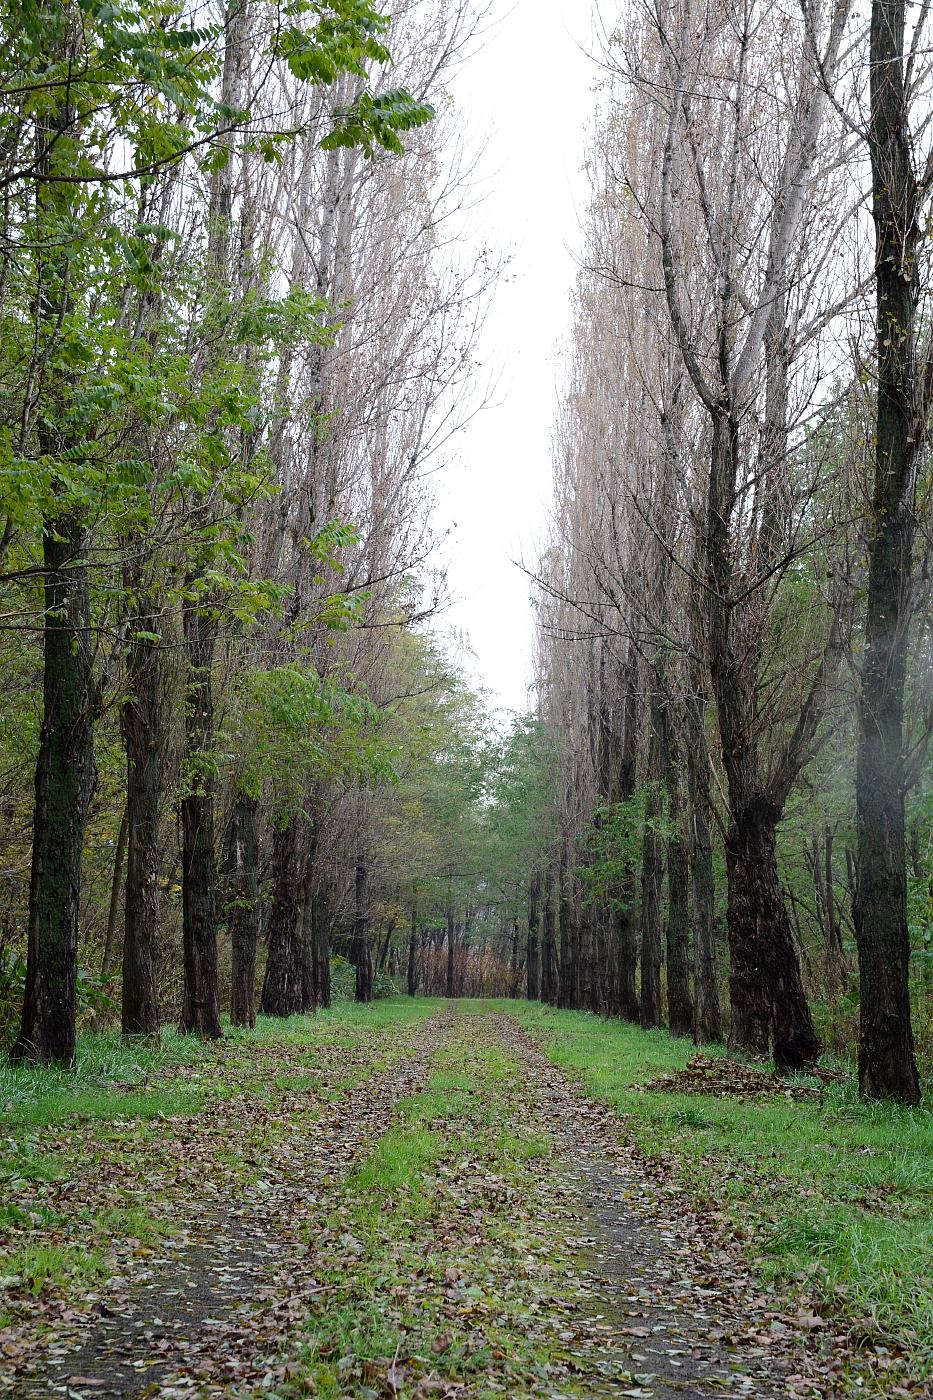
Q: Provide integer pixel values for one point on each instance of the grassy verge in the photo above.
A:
(836, 1195)
(113, 1079)
(109, 1078)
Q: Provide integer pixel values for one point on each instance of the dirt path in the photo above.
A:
(214, 1305)
(460, 1221)
(671, 1297)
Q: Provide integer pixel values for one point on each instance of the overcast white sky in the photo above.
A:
(525, 99)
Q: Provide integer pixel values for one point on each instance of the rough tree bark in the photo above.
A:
(362, 955)
(412, 973)
(548, 941)
(566, 969)
(625, 994)
(322, 921)
(451, 945)
(679, 1000)
(707, 1020)
(533, 957)
(108, 959)
(201, 998)
(142, 737)
(769, 1006)
(64, 776)
(309, 988)
(652, 871)
(243, 908)
(65, 764)
(887, 1060)
(282, 984)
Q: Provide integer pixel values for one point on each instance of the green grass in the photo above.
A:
(106, 1082)
(354, 1331)
(394, 1177)
(40, 1266)
(111, 1079)
(837, 1194)
(131, 1223)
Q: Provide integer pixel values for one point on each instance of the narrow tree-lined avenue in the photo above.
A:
(362, 1036)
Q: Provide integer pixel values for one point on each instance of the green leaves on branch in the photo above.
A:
(279, 321)
(343, 37)
(295, 727)
(372, 121)
(347, 37)
(138, 72)
(613, 844)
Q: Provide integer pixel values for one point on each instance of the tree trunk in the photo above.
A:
(243, 908)
(451, 943)
(109, 959)
(548, 942)
(573, 931)
(625, 994)
(362, 956)
(201, 1000)
(565, 932)
(322, 944)
(835, 960)
(65, 765)
(282, 987)
(625, 957)
(463, 961)
(768, 1002)
(384, 950)
(887, 1059)
(64, 777)
(587, 988)
(707, 1018)
(533, 956)
(412, 980)
(513, 960)
(679, 1000)
(142, 736)
(652, 874)
(309, 991)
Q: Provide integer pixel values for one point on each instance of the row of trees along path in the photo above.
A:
(733, 577)
(237, 343)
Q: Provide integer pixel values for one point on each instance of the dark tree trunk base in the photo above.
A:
(142, 738)
(769, 1007)
(64, 777)
(201, 1000)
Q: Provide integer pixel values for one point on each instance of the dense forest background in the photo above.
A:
(239, 769)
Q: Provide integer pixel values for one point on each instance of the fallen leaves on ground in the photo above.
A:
(722, 1076)
(397, 1211)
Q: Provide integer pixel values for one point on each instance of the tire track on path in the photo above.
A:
(665, 1294)
(208, 1316)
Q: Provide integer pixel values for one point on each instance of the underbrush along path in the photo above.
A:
(209, 1309)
